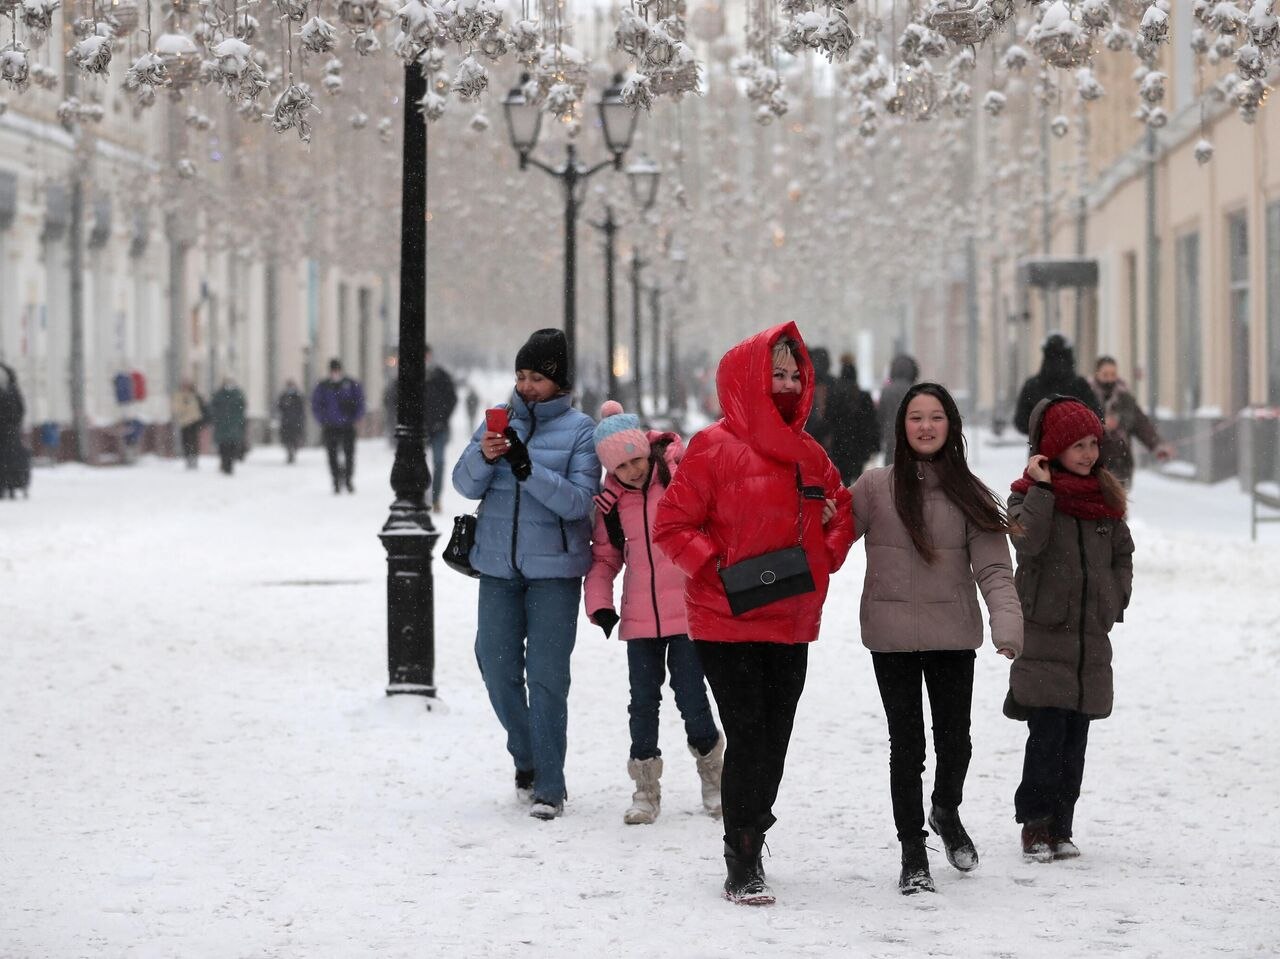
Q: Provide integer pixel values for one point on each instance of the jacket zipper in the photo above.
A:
(515, 524)
(1084, 596)
(653, 573)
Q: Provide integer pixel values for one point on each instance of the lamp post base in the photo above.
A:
(409, 538)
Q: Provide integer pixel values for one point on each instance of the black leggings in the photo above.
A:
(948, 676)
(757, 687)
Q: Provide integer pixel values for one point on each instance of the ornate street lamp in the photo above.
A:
(618, 125)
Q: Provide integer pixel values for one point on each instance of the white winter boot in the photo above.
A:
(710, 767)
(646, 801)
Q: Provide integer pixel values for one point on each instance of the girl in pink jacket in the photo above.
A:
(639, 466)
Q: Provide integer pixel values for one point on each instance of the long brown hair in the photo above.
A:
(971, 496)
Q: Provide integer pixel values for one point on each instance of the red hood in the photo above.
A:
(744, 383)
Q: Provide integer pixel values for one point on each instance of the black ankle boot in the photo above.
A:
(960, 852)
(915, 869)
(745, 884)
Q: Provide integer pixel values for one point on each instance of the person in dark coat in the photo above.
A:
(15, 461)
(440, 398)
(818, 425)
(855, 429)
(1122, 419)
(1074, 580)
(903, 372)
(338, 404)
(292, 410)
(228, 413)
(1057, 377)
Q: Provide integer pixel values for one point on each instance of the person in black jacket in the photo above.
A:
(1057, 377)
(439, 398)
(15, 461)
(903, 373)
(292, 409)
(818, 425)
(854, 426)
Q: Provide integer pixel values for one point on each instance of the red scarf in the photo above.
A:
(1078, 496)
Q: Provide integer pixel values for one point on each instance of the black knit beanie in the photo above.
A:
(547, 352)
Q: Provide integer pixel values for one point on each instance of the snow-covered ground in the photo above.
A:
(197, 757)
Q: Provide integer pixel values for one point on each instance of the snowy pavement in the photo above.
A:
(198, 759)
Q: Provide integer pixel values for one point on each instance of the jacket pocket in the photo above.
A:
(1046, 598)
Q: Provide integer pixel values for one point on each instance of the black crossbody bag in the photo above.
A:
(769, 577)
(457, 555)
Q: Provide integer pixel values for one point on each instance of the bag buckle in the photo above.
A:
(768, 577)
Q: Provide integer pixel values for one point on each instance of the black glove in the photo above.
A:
(517, 455)
(606, 619)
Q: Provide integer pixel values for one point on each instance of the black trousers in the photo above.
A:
(757, 687)
(341, 438)
(191, 442)
(948, 676)
(1052, 769)
(228, 453)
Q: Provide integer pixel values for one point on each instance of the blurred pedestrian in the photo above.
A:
(1057, 377)
(291, 407)
(337, 403)
(227, 409)
(15, 459)
(855, 428)
(473, 404)
(818, 425)
(1122, 419)
(903, 372)
(190, 414)
(440, 398)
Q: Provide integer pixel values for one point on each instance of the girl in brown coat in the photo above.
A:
(1075, 572)
(933, 533)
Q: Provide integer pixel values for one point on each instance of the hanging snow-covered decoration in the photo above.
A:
(123, 17)
(1096, 14)
(148, 71)
(478, 123)
(470, 81)
(1151, 89)
(418, 27)
(366, 43)
(472, 19)
(494, 45)
(45, 78)
(1247, 96)
(181, 59)
(358, 120)
(92, 54)
(913, 93)
(1087, 85)
(239, 73)
(664, 62)
(295, 10)
(291, 111)
(385, 130)
(1250, 63)
(1203, 152)
(37, 17)
(359, 15)
(1154, 117)
(821, 25)
(432, 106)
(1015, 59)
(1117, 39)
(918, 43)
(1264, 27)
(317, 36)
(527, 41)
(185, 169)
(965, 22)
(994, 102)
(1060, 125)
(1058, 38)
(15, 68)
(1154, 28)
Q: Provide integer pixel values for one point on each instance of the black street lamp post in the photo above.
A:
(610, 230)
(618, 124)
(408, 535)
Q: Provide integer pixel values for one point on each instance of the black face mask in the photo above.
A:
(1108, 388)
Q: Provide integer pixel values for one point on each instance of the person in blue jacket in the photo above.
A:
(533, 546)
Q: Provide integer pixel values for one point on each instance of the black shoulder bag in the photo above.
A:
(457, 555)
(767, 578)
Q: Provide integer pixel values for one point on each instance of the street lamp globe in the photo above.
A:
(643, 175)
(617, 120)
(524, 119)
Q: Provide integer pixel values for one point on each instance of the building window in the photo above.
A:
(1238, 310)
(1273, 304)
(1187, 256)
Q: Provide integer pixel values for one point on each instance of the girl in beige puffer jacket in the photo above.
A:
(934, 532)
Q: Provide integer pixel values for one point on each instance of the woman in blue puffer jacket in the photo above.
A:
(533, 546)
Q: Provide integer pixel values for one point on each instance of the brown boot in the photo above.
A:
(1037, 846)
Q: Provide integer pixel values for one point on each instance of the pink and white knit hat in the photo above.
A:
(618, 436)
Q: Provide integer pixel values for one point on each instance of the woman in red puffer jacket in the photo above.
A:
(750, 484)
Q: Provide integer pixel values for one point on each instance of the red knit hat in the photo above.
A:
(1065, 423)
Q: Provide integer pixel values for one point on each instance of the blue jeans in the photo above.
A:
(524, 639)
(437, 443)
(645, 662)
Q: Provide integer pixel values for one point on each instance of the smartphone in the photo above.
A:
(495, 420)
